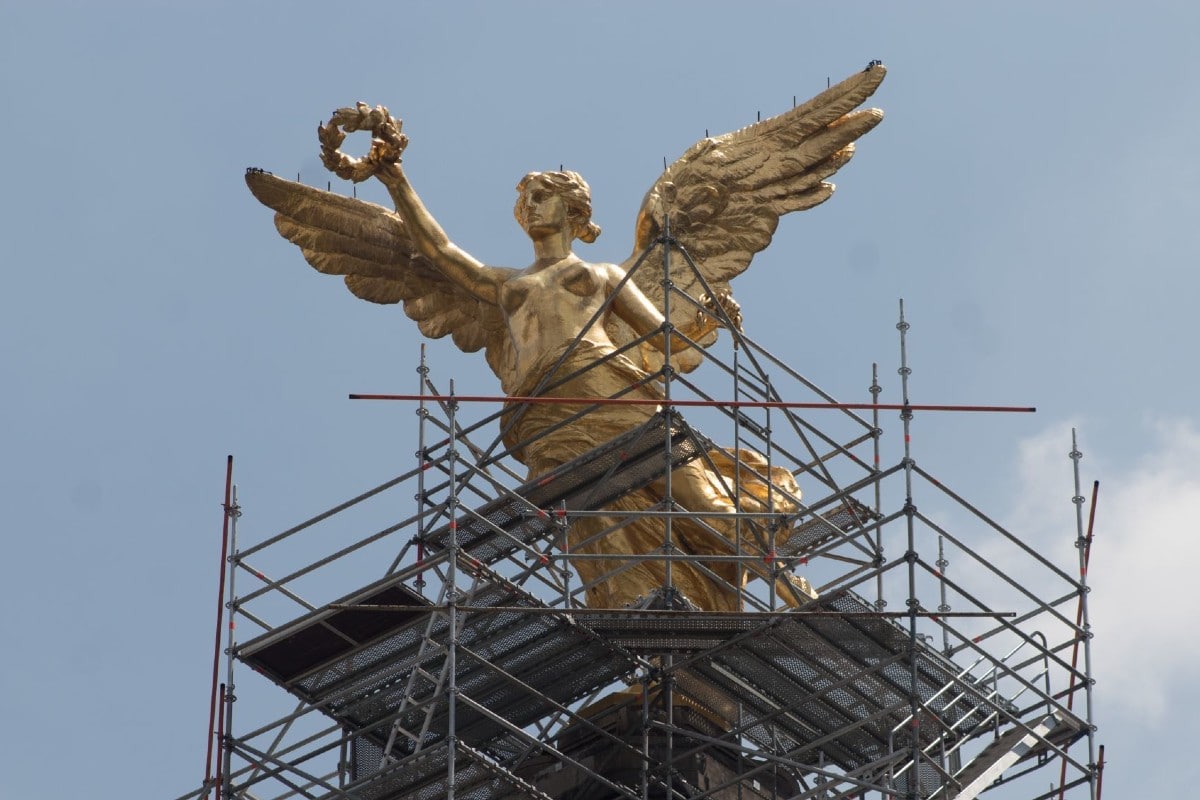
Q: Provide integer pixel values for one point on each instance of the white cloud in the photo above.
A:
(1143, 561)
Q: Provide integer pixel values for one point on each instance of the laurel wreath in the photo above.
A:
(387, 141)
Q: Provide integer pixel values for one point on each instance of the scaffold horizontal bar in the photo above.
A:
(748, 616)
(638, 401)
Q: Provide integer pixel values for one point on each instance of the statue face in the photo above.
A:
(542, 210)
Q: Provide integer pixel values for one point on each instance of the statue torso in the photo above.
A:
(546, 308)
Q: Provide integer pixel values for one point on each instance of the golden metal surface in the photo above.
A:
(537, 325)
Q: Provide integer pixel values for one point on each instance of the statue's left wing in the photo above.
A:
(369, 245)
(724, 197)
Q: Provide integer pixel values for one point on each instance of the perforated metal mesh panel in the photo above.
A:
(560, 660)
(561, 663)
(838, 683)
(654, 633)
(513, 658)
(425, 776)
(825, 525)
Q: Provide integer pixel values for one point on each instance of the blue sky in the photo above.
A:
(1032, 195)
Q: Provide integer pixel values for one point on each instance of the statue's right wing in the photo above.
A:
(724, 196)
(370, 246)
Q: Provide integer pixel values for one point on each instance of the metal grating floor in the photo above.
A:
(826, 525)
(425, 776)
(364, 685)
(809, 682)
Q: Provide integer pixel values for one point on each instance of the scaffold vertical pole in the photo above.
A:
(876, 432)
(452, 601)
(234, 511)
(668, 330)
(645, 771)
(1083, 543)
(214, 703)
(563, 525)
(910, 556)
(669, 500)
(773, 572)
(943, 604)
(740, 581)
(423, 464)
(221, 742)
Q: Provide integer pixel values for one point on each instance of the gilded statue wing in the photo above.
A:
(725, 195)
(370, 246)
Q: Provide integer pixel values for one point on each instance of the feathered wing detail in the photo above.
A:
(370, 246)
(725, 195)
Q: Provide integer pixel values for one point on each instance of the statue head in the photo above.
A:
(574, 192)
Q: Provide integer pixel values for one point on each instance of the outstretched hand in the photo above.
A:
(719, 311)
(387, 141)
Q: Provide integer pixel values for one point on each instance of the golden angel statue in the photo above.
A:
(563, 327)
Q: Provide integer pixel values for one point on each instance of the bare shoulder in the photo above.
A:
(614, 273)
(497, 276)
(501, 274)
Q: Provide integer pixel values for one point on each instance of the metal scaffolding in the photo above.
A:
(471, 667)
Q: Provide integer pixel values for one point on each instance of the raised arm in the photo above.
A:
(454, 262)
(383, 161)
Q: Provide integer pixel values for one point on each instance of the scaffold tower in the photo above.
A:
(889, 638)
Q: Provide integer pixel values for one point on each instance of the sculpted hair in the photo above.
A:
(574, 191)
